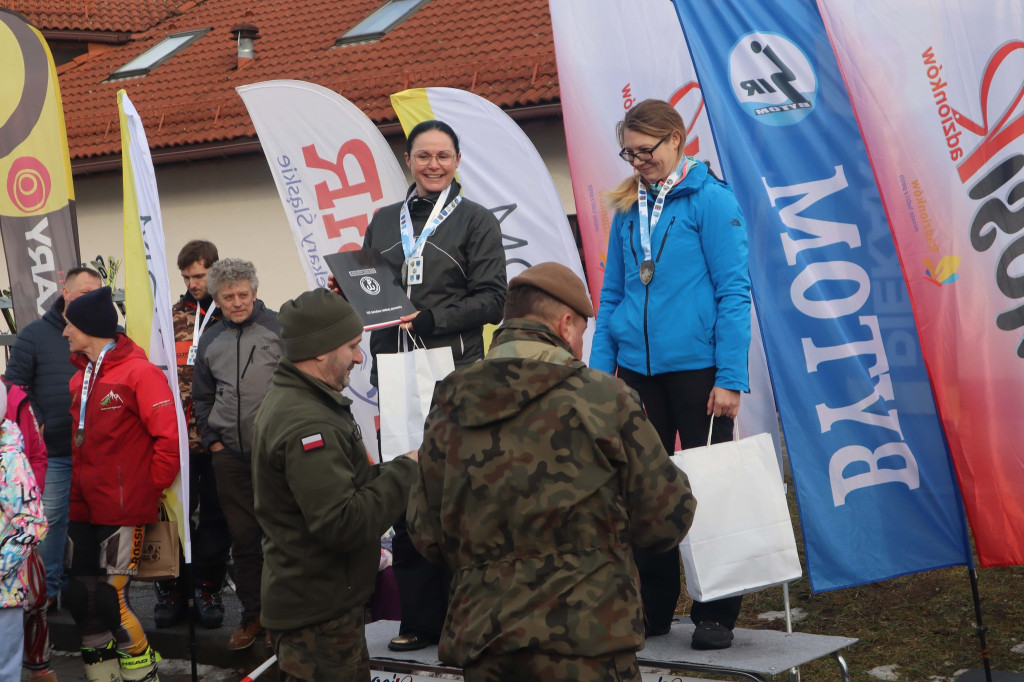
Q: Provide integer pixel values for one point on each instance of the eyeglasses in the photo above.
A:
(443, 158)
(629, 156)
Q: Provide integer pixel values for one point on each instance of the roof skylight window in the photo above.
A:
(159, 53)
(383, 19)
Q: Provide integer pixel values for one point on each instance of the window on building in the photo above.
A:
(159, 53)
(383, 20)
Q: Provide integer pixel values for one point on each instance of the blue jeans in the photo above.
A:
(12, 637)
(56, 506)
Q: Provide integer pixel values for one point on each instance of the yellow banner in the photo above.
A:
(138, 294)
(35, 170)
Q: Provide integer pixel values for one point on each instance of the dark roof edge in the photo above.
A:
(70, 35)
(249, 145)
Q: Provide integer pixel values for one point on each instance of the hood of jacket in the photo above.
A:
(526, 360)
(55, 314)
(697, 175)
(124, 348)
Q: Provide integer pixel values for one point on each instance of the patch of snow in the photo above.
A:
(798, 615)
(884, 672)
(207, 673)
(1019, 649)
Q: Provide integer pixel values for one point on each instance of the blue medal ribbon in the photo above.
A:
(437, 216)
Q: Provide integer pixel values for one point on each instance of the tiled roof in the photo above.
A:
(97, 15)
(500, 49)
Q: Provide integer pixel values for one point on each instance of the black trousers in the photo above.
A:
(211, 539)
(676, 403)
(422, 587)
(234, 485)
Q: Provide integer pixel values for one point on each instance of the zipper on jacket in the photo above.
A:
(647, 340)
(248, 362)
(647, 290)
(238, 386)
(631, 247)
(664, 239)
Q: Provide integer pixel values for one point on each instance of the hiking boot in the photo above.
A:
(170, 604)
(246, 634)
(710, 635)
(208, 606)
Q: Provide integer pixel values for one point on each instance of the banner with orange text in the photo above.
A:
(940, 100)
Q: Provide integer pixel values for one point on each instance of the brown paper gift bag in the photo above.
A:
(160, 551)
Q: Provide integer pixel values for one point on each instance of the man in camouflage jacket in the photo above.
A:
(536, 477)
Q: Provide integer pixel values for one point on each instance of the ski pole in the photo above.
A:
(260, 670)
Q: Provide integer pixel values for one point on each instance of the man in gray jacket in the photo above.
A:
(234, 364)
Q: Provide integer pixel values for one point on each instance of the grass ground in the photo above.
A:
(921, 623)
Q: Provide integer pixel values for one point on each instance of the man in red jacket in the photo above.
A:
(124, 454)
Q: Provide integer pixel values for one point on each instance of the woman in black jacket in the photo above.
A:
(447, 253)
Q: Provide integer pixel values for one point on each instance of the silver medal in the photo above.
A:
(647, 272)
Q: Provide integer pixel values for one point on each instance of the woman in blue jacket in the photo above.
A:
(674, 319)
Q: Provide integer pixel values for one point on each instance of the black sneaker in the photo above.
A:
(170, 604)
(710, 635)
(208, 605)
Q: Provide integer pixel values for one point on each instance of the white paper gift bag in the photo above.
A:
(742, 536)
(406, 385)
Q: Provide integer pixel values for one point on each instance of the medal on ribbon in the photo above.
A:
(412, 267)
(647, 227)
(647, 271)
(91, 371)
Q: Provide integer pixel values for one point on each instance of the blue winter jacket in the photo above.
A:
(695, 313)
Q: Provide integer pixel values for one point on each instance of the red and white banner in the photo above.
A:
(333, 170)
(602, 74)
(939, 96)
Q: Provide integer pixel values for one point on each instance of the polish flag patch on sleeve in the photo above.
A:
(313, 442)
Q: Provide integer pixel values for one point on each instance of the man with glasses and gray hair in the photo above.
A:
(234, 364)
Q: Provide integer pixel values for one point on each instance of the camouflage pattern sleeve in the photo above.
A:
(660, 503)
(423, 514)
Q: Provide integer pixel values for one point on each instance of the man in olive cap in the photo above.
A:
(322, 505)
(537, 476)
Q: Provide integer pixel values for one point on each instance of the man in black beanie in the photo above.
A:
(322, 505)
(124, 455)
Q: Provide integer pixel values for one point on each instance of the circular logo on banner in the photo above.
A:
(28, 184)
(369, 285)
(772, 79)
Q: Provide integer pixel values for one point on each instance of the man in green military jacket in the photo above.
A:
(536, 477)
(321, 503)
